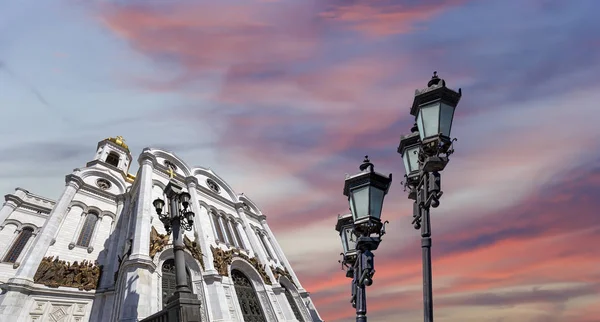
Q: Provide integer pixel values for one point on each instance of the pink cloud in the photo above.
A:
(378, 18)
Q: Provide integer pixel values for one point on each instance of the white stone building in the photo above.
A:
(99, 252)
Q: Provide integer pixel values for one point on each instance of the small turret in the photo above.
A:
(114, 153)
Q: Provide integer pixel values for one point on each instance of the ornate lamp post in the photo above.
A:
(425, 153)
(361, 231)
(177, 217)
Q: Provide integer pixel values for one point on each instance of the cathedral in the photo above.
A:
(101, 253)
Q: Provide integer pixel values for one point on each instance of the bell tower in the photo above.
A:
(114, 153)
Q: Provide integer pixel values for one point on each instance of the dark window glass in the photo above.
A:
(113, 159)
(247, 298)
(169, 282)
(18, 245)
(293, 304)
(85, 236)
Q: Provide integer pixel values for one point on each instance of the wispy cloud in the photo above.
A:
(282, 98)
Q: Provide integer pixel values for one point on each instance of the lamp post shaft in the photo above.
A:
(178, 246)
(427, 279)
(361, 291)
(422, 199)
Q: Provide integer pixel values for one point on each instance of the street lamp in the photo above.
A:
(425, 153)
(177, 217)
(365, 191)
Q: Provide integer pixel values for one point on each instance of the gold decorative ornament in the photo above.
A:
(194, 249)
(277, 272)
(171, 173)
(157, 242)
(54, 272)
(120, 141)
(223, 258)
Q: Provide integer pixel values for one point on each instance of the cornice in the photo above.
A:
(146, 157)
(28, 205)
(192, 182)
(239, 206)
(74, 180)
(94, 191)
(211, 194)
(114, 145)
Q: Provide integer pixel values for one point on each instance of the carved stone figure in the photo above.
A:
(222, 260)
(157, 242)
(277, 272)
(54, 272)
(194, 249)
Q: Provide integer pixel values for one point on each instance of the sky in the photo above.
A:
(282, 98)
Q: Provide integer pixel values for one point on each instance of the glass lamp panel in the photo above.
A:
(352, 209)
(376, 202)
(350, 239)
(406, 159)
(413, 158)
(360, 198)
(344, 240)
(446, 116)
(428, 120)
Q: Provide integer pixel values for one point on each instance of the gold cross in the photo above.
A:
(171, 173)
(120, 138)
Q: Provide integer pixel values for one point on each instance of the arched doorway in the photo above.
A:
(290, 299)
(247, 298)
(169, 282)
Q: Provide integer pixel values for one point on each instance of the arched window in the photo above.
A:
(236, 234)
(169, 282)
(293, 305)
(112, 159)
(217, 225)
(265, 245)
(228, 232)
(85, 236)
(247, 298)
(18, 245)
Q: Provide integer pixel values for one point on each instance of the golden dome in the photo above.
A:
(119, 140)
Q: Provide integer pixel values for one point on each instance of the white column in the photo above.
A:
(7, 236)
(267, 243)
(141, 242)
(7, 209)
(254, 242)
(34, 256)
(281, 255)
(137, 294)
(73, 213)
(192, 183)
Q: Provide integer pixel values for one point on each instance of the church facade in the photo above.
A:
(99, 253)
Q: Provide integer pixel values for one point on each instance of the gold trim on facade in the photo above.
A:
(157, 242)
(224, 258)
(194, 249)
(54, 272)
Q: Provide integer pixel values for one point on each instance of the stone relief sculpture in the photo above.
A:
(54, 272)
(223, 258)
(282, 272)
(157, 242)
(194, 249)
